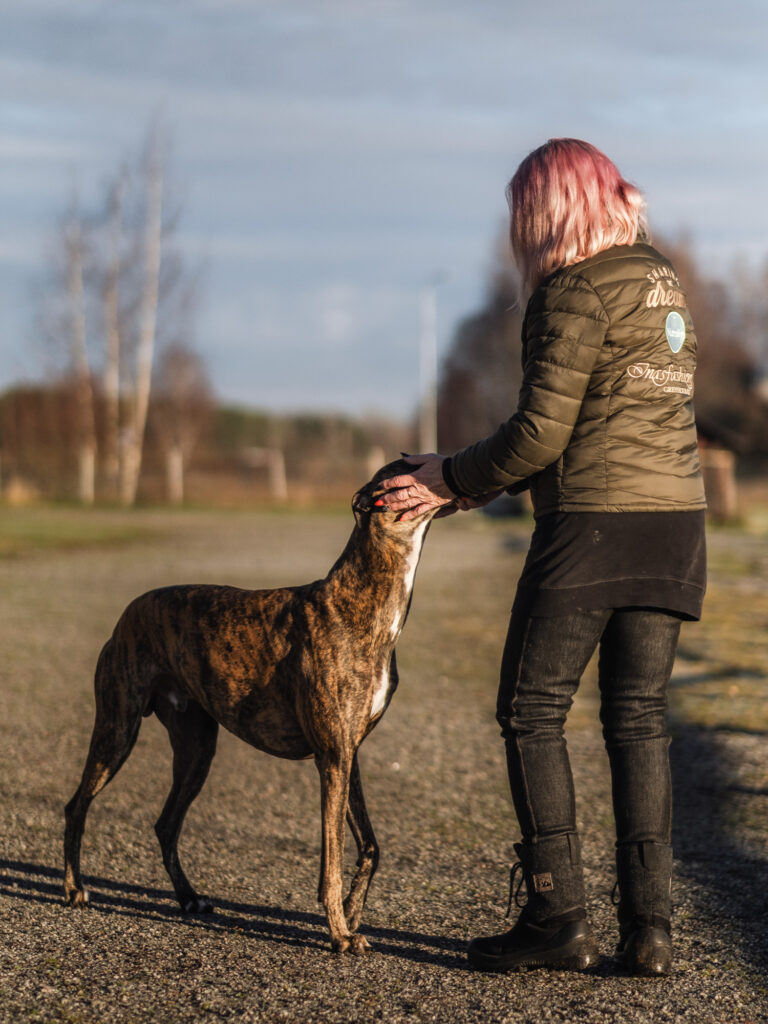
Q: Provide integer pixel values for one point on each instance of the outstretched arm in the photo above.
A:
(426, 488)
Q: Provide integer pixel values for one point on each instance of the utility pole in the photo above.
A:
(428, 368)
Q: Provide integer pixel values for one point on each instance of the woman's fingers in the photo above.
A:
(416, 510)
(408, 495)
(402, 492)
(398, 483)
(417, 492)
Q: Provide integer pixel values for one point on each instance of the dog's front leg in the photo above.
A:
(334, 772)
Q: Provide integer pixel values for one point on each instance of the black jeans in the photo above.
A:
(544, 659)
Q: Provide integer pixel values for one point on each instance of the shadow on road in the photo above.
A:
(730, 883)
(41, 884)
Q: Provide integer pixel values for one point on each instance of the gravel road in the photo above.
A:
(434, 778)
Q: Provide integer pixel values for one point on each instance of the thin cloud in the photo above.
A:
(335, 155)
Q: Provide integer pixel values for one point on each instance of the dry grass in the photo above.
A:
(721, 674)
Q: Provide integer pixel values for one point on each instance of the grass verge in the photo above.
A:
(25, 532)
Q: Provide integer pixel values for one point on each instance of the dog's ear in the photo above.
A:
(364, 504)
(362, 500)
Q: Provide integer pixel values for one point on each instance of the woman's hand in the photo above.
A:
(465, 504)
(419, 492)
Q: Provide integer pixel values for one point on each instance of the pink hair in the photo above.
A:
(568, 201)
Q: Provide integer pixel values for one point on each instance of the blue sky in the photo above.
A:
(333, 156)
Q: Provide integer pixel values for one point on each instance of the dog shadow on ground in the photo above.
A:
(729, 881)
(42, 884)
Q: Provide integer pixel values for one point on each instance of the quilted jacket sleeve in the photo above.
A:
(564, 329)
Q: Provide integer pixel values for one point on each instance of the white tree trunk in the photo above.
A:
(112, 348)
(85, 425)
(147, 325)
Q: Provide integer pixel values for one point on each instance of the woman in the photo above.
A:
(604, 437)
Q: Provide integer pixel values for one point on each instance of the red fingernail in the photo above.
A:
(379, 501)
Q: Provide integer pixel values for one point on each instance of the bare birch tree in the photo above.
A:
(130, 287)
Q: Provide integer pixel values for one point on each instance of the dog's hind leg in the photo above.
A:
(112, 740)
(193, 736)
(335, 769)
(367, 849)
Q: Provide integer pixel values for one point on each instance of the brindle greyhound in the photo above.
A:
(297, 672)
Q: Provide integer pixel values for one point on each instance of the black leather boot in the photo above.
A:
(552, 929)
(645, 878)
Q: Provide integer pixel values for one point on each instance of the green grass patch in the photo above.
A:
(722, 668)
(25, 532)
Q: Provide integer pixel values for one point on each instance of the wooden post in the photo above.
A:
(718, 466)
(174, 471)
(274, 462)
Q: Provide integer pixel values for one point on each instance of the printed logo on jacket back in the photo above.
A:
(669, 378)
(666, 290)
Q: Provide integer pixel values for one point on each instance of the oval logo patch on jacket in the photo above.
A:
(674, 328)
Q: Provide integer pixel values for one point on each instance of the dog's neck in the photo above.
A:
(371, 582)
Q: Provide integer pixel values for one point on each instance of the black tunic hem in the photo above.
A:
(584, 561)
(675, 596)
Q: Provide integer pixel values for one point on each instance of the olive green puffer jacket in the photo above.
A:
(605, 415)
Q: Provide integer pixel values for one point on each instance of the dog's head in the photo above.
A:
(364, 501)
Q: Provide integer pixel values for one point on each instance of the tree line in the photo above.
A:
(239, 455)
(481, 374)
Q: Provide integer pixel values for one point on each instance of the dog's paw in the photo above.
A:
(354, 944)
(197, 905)
(359, 946)
(78, 898)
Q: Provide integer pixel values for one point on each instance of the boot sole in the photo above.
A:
(574, 956)
(659, 968)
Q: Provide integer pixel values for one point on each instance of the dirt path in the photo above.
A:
(435, 783)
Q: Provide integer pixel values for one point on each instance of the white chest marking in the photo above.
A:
(411, 564)
(380, 696)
